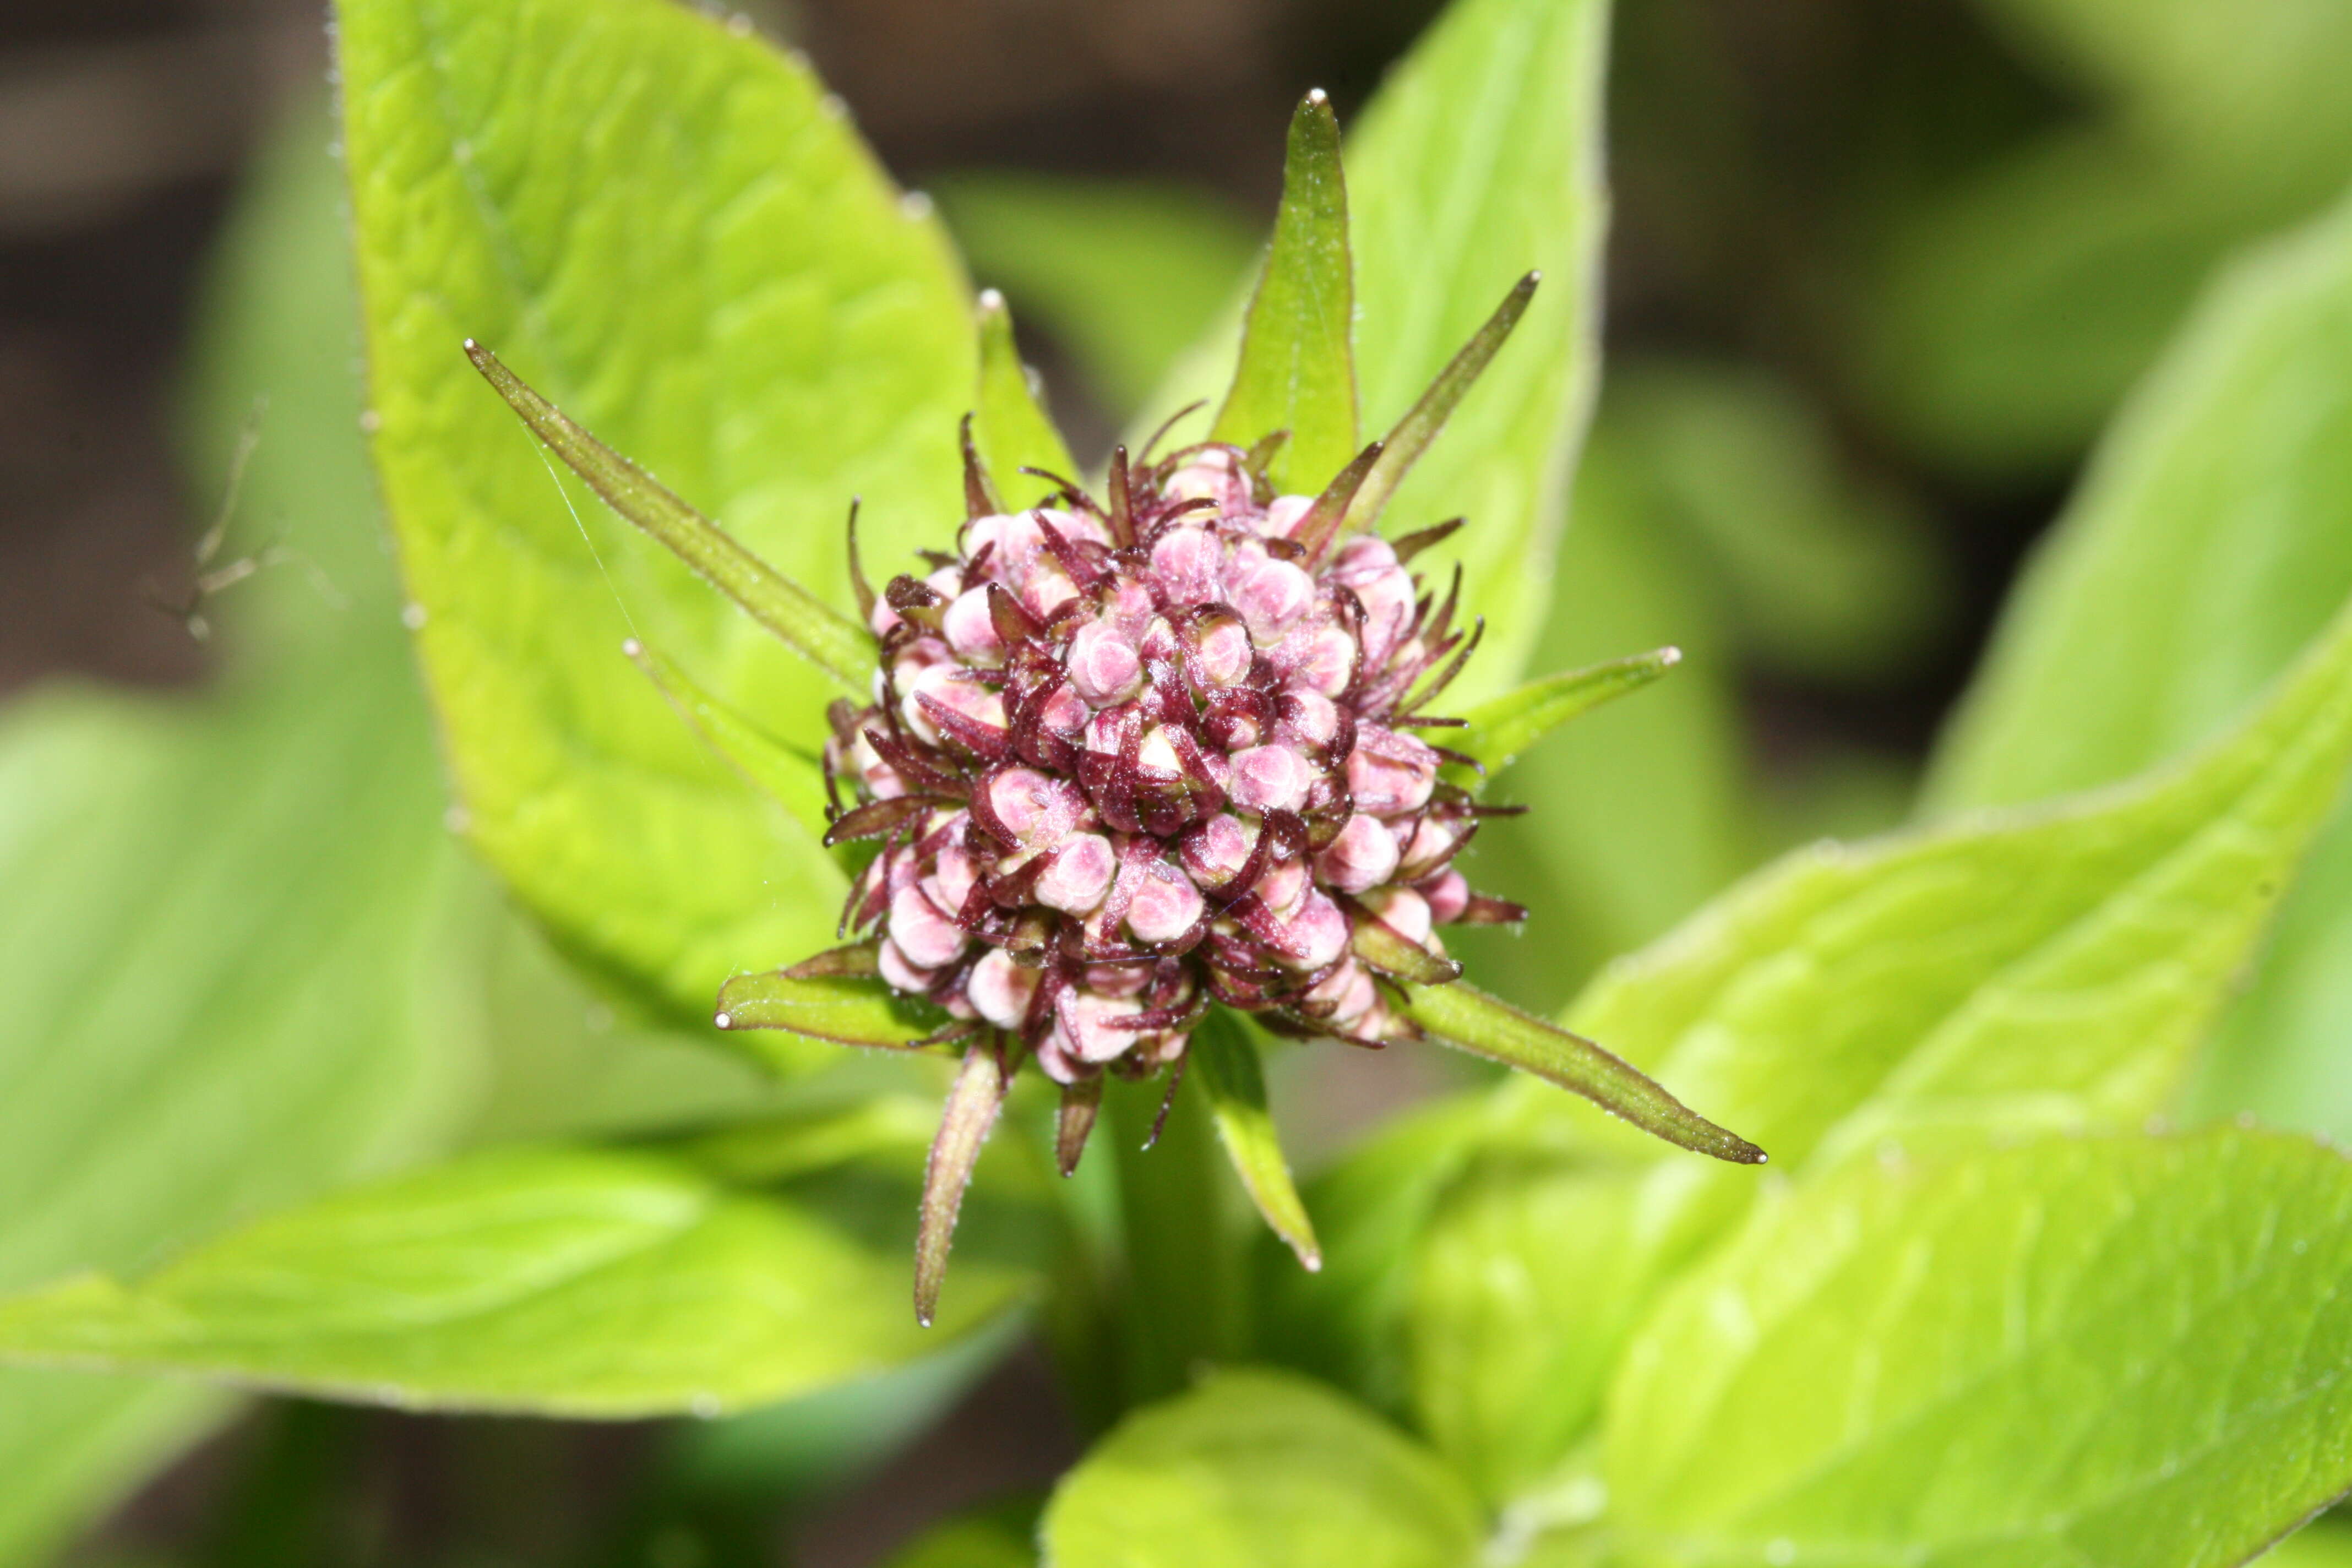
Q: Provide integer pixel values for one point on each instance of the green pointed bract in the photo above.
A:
(1297, 369)
(838, 997)
(804, 623)
(1496, 732)
(792, 777)
(1419, 427)
(1389, 951)
(1010, 427)
(1226, 1062)
(1470, 1020)
(973, 1104)
(1320, 526)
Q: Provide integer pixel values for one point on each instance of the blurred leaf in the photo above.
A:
(666, 228)
(226, 946)
(1296, 369)
(1820, 574)
(559, 1281)
(1999, 325)
(2211, 538)
(1125, 274)
(1256, 1468)
(2325, 1544)
(1004, 1536)
(2049, 969)
(2115, 1351)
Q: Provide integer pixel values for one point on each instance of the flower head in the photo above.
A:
(1130, 757)
(1121, 759)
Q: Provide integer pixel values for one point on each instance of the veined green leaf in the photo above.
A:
(2044, 969)
(2083, 1351)
(794, 779)
(1013, 429)
(1226, 1058)
(565, 1283)
(1498, 729)
(672, 232)
(1297, 365)
(2212, 538)
(1253, 1468)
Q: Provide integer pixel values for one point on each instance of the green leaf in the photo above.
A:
(2208, 543)
(559, 1281)
(793, 778)
(1254, 1467)
(1498, 729)
(671, 230)
(2320, 1545)
(1226, 1058)
(1478, 160)
(1012, 432)
(1002, 1537)
(1124, 273)
(2106, 1351)
(1297, 365)
(2045, 969)
(1469, 1019)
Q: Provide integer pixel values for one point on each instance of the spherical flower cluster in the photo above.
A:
(1127, 759)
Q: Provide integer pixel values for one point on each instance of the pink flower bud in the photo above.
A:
(1269, 594)
(1284, 515)
(971, 631)
(1448, 894)
(1315, 935)
(901, 974)
(1000, 989)
(1103, 664)
(1083, 1024)
(1390, 774)
(1307, 715)
(1163, 906)
(1079, 874)
(1402, 911)
(1220, 650)
(924, 934)
(1035, 808)
(956, 876)
(1215, 853)
(1270, 778)
(1188, 565)
(1362, 857)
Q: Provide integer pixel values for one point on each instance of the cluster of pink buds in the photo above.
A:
(1125, 759)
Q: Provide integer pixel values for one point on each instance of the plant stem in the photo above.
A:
(1182, 1285)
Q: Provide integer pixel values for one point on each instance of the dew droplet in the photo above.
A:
(723, 1021)
(915, 206)
(457, 819)
(412, 616)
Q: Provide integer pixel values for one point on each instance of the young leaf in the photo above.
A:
(1255, 1468)
(1013, 432)
(1498, 729)
(2044, 969)
(2211, 539)
(655, 221)
(807, 625)
(794, 779)
(1464, 1016)
(1226, 1059)
(1403, 446)
(604, 1283)
(1298, 367)
(2107, 1350)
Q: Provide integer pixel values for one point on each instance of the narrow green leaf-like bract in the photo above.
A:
(806, 623)
(1464, 1016)
(1227, 1064)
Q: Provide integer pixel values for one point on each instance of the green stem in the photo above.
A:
(1183, 1280)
